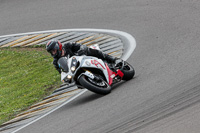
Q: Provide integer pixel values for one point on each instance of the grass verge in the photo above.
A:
(26, 76)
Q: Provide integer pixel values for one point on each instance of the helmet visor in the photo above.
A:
(53, 52)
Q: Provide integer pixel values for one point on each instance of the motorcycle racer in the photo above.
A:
(57, 50)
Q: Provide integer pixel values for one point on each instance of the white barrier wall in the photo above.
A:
(111, 41)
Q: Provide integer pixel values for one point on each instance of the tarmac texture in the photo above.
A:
(162, 98)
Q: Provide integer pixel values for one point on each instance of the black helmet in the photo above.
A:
(55, 48)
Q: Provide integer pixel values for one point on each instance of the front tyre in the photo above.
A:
(128, 71)
(100, 86)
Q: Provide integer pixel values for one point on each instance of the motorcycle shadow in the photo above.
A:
(91, 97)
(118, 85)
(84, 99)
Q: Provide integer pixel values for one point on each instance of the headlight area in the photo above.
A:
(69, 76)
(67, 79)
(74, 64)
(73, 68)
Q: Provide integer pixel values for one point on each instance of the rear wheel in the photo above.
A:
(98, 86)
(128, 71)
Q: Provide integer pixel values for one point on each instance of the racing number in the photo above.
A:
(96, 63)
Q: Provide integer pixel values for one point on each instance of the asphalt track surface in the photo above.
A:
(162, 98)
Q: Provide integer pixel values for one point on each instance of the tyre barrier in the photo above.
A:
(116, 43)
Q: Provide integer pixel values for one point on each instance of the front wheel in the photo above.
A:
(128, 71)
(98, 86)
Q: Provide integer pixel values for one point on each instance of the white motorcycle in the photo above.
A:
(94, 74)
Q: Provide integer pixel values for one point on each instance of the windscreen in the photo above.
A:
(62, 63)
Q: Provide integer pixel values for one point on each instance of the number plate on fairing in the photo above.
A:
(89, 74)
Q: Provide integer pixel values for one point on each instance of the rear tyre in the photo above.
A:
(128, 71)
(100, 87)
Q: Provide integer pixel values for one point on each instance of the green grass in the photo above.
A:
(26, 76)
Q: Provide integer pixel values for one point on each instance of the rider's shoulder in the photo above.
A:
(70, 43)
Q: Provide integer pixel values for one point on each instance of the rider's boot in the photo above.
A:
(109, 58)
(116, 62)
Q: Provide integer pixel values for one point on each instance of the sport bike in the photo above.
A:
(94, 74)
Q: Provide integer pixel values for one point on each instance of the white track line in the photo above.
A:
(85, 90)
